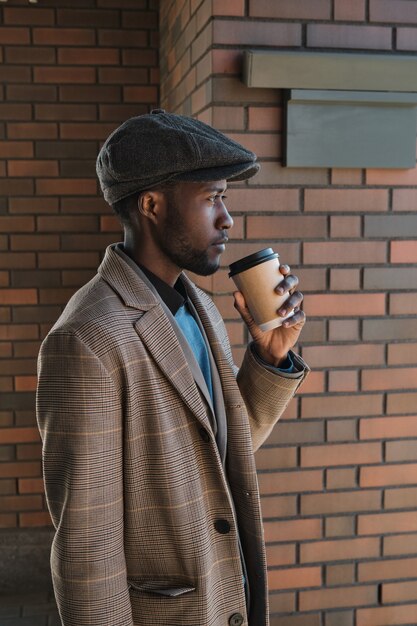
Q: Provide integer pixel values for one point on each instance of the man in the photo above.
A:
(148, 436)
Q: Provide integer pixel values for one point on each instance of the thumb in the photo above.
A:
(242, 308)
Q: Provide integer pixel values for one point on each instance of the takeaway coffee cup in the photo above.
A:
(257, 276)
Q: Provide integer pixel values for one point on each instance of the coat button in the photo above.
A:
(222, 526)
(236, 620)
(204, 435)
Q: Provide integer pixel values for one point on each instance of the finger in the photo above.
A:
(289, 283)
(294, 301)
(242, 308)
(284, 269)
(299, 317)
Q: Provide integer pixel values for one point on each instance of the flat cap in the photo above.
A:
(151, 149)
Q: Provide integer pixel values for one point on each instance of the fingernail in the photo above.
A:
(283, 311)
(280, 290)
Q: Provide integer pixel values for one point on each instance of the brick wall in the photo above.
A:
(339, 473)
(68, 77)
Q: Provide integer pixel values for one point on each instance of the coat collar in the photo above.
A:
(153, 327)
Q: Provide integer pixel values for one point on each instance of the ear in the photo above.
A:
(151, 205)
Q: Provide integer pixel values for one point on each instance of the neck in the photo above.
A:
(143, 252)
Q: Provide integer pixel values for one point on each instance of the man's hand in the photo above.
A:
(273, 345)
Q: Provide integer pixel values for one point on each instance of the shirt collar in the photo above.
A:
(174, 297)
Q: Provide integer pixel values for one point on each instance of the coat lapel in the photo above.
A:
(154, 328)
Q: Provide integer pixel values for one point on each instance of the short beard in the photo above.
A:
(177, 246)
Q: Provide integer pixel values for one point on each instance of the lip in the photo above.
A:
(220, 242)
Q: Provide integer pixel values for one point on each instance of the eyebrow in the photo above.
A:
(214, 188)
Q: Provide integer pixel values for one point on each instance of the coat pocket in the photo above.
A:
(169, 588)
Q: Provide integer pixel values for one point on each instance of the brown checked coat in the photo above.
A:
(147, 523)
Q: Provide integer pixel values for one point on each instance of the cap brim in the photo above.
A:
(237, 171)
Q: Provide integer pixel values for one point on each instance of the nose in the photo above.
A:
(225, 220)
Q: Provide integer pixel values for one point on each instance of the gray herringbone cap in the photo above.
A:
(151, 149)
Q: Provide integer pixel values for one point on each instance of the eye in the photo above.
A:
(216, 196)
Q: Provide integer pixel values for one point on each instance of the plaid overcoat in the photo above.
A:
(147, 520)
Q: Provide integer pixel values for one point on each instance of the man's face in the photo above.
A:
(194, 231)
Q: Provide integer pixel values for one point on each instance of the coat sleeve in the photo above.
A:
(79, 416)
(266, 394)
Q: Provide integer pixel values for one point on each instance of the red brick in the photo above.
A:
(30, 485)
(334, 356)
(403, 304)
(25, 383)
(386, 177)
(64, 36)
(389, 378)
(140, 58)
(49, 186)
(123, 39)
(110, 223)
(339, 550)
(346, 176)
(15, 111)
(399, 592)
(32, 168)
(343, 380)
(16, 224)
(340, 252)
(338, 597)
(344, 305)
(87, 93)
(404, 200)
(257, 33)
(286, 9)
(273, 482)
(67, 260)
(14, 74)
(61, 112)
(19, 331)
(20, 503)
(349, 12)
(345, 279)
(140, 94)
(294, 578)
(403, 474)
(403, 252)
(406, 38)
(388, 427)
(293, 530)
(34, 242)
(234, 8)
(32, 93)
(117, 112)
(352, 37)
(64, 75)
(401, 402)
(27, 520)
(274, 458)
(29, 130)
(386, 570)
(18, 36)
(344, 227)
(33, 205)
(342, 405)
(279, 506)
(280, 554)
(18, 296)
(341, 430)
(30, 55)
(88, 56)
(383, 523)
(10, 149)
(401, 354)
(386, 11)
(294, 227)
(404, 498)
(86, 131)
(340, 502)
(18, 435)
(28, 16)
(344, 478)
(67, 223)
(341, 454)
(8, 520)
(20, 470)
(346, 200)
(400, 544)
